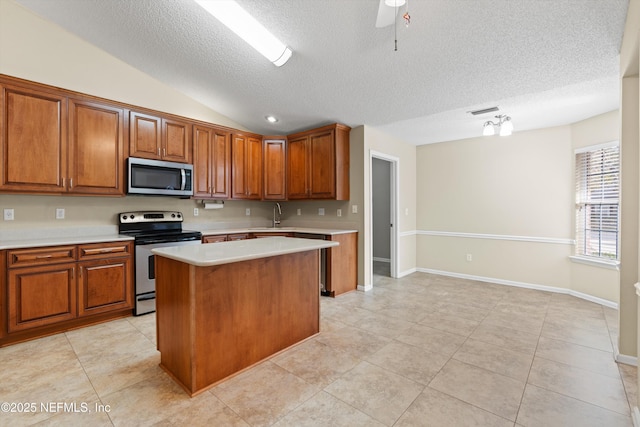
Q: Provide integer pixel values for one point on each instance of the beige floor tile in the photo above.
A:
(589, 387)
(206, 410)
(588, 338)
(432, 339)
(506, 337)
(384, 325)
(264, 394)
(435, 409)
(409, 361)
(518, 321)
(492, 392)
(496, 359)
(325, 410)
(148, 402)
(629, 376)
(463, 311)
(316, 363)
(541, 407)
(450, 323)
(579, 356)
(352, 340)
(377, 392)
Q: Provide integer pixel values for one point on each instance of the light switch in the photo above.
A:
(339, 212)
(299, 211)
(354, 208)
(59, 213)
(320, 211)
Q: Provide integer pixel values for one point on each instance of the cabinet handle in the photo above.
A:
(43, 256)
(70, 182)
(164, 152)
(158, 151)
(64, 181)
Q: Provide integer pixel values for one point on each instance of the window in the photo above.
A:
(597, 201)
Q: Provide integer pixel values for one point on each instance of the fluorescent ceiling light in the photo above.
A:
(244, 25)
(394, 3)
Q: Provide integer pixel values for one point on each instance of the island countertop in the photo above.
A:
(240, 250)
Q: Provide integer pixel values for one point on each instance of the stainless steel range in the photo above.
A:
(151, 230)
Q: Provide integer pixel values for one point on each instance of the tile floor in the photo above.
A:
(423, 350)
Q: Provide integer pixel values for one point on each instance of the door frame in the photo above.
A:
(394, 209)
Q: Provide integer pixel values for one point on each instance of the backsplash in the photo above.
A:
(98, 215)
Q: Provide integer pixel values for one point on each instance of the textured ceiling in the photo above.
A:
(543, 62)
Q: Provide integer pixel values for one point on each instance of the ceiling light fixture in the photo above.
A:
(504, 125)
(271, 119)
(244, 25)
(395, 3)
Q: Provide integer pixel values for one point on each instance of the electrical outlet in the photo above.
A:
(8, 215)
(59, 213)
(247, 212)
(469, 257)
(321, 211)
(354, 209)
(196, 212)
(299, 211)
(339, 212)
(406, 211)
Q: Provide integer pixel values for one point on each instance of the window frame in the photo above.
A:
(580, 179)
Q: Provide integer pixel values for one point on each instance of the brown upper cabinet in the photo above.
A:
(318, 164)
(160, 138)
(55, 144)
(274, 162)
(246, 167)
(211, 162)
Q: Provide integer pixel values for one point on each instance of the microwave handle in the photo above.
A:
(184, 179)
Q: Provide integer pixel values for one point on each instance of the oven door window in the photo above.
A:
(156, 177)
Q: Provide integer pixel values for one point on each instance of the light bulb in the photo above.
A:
(506, 128)
(488, 129)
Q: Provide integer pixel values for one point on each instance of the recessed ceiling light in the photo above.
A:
(271, 119)
(248, 28)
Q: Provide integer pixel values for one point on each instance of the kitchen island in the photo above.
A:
(223, 307)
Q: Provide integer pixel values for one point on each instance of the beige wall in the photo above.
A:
(508, 202)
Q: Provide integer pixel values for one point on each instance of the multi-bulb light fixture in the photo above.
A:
(504, 125)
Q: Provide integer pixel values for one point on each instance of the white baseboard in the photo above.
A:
(635, 416)
(581, 295)
(366, 287)
(406, 272)
(623, 358)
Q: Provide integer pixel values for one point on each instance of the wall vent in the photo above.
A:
(484, 111)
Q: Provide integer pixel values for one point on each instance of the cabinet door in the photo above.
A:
(238, 173)
(274, 152)
(221, 165)
(211, 163)
(144, 135)
(34, 136)
(322, 167)
(297, 165)
(104, 285)
(253, 168)
(176, 141)
(96, 149)
(41, 296)
(202, 162)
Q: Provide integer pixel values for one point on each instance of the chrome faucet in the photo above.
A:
(277, 212)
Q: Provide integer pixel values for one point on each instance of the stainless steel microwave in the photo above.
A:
(155, 177)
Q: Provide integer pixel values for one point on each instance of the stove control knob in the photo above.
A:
(124, 217)
(132, 216)
(179, 215)
(173, 215)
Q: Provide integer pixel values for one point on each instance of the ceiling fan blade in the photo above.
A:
(386, 15)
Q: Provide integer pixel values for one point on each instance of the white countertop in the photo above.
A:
(36, 242)
(323, 231)
(240, 250)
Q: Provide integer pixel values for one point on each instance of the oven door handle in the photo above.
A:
(184, 179)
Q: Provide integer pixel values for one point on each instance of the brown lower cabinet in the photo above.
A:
(56, 288)
(341, 265)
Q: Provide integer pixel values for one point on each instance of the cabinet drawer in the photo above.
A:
(41, 256)
(215, 238)
(104, 250)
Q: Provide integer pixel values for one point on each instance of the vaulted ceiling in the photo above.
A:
(542, 62)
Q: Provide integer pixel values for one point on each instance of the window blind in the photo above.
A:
(597, 201)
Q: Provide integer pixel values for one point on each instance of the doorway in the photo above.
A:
(383, 219)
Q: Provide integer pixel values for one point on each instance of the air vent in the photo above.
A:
(484, 111)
